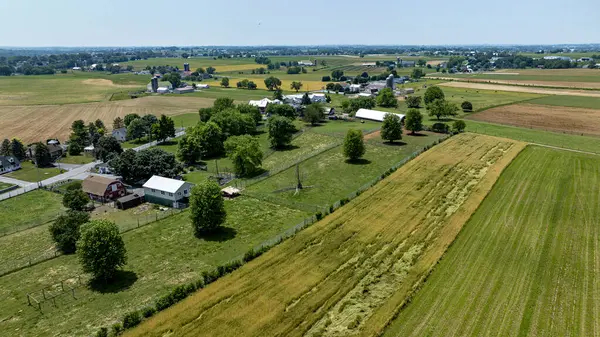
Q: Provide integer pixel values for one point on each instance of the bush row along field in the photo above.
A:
(526, 262)
(182, 257)
(351, 271)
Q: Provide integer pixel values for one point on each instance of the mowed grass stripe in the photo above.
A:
(350, 272)
(525, 264)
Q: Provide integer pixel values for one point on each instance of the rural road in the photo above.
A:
(79, 172)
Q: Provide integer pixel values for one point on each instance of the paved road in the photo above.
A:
(79, 172)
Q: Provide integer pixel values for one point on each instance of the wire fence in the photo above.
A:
(132, 222)
(16, 229)
(18, 191)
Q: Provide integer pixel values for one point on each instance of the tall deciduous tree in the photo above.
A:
(211, 138)
(413, 102)
(313, 113)
(295, 85)
(413, 121)
(75, 199)
(417, 73)
(118, 123)
(281, 130)
(336, 74)
(391, 129)
(107, 148)
(245, 153)
(250, 110)
(101, 249)
(65, 230)
(207, 207)
(442, 108)
(17, 148)
(5, 149)
(354, 146)
(272, 83)
(225, 82)
(129, 118)
(223, 103)
(386, 98)
(433, 93)
(164, 129)
(188, 149)
(284, 110)
(459, 126)
(42, 155)
(136, 129)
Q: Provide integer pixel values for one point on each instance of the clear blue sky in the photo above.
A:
(300, 22)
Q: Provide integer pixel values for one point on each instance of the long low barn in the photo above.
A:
(375, 115)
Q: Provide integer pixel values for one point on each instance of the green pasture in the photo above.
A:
(4, 186)
(526, 262)
(29, 172)
(570, 101)
(29, 209)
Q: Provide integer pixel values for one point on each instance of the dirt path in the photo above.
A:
(516, 88)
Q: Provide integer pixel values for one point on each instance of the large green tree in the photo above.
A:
(5, 149)
(140, 166)
(42, 155)
(101, 249)
(136, 129)
(233, 123)
(107, 148)
(442, 108)
(164, 129)
(413, 102)
(174, 78)
(354, 145)
(413, 121)
(223, 103)
(65, 230)
(272, 83)
(313, 113)
(391, 129)
(250, 110)
(17, 148)
(417, 73)
(433, 93)
(129, 118)
(281, 130)
(284, 110)
(207, 207)
(337, 74)
(225, 82)
(386, 98)
(189, 150)
(245, 153)
(75, 199)
(296, 85)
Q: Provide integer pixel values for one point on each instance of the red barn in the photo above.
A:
(103, 188)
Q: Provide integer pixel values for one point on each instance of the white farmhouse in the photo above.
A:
(166, 191)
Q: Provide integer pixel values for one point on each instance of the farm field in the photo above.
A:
(552, 118)
(575, 78)
(29, 172)
(526, 262)
(41, 206)
(341, 276)
(570, 101)
(65, 89)
(515, 88)
(182, 258)
(561, 140)
(32, 123)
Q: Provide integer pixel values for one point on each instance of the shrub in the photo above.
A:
(331, 209)
(319, 215)
(148, 312)
(103, 332)
(164, 302)
(440, 127)
(131, 319)
(466, 106)
(344, 201)
(116, 329)
(459, 126)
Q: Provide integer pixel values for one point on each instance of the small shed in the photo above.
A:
(130, 200)
(230, 192)
(89, 149)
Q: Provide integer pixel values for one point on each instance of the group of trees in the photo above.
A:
(147, 126)
(353, 105)
(437, 105)
(83, 135)
(246, 84)
(386, 98)
(13, 147)
(141, 165)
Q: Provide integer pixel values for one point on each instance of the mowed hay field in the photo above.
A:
(516, 88)
(553, 118)
(526, 264)
(349, 273)
(38, 122)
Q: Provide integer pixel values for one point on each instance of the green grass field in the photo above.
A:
(526, 262)
(82, 159)
(156, 264)
(563, 140)
(571, 101)
(29, 172)
(4, 186)
(29, 209)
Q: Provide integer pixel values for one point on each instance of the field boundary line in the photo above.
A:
(563, 149)
(485, 81)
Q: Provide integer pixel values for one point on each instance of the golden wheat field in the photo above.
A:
(33, 123)
(350, 273)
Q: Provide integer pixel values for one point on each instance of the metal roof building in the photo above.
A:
(375, 115)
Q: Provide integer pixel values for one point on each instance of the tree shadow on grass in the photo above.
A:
(220, 234)
(122, 280)
(394, 143)
(360, 161)
(286, 148)
(416, 134)
(168, 142)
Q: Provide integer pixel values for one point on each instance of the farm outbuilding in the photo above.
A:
(103, 188)
(375, 115)
(130, 200)
(184, 90)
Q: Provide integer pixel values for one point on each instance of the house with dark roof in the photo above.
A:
(103, 188)
(9, 164)
(56, 151)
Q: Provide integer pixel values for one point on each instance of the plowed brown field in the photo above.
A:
(545, 117)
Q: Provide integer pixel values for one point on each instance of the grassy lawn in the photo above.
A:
(572, 101)
(4, 186)
(525, 263)
(161, 256)
(81, 159)
(186, 120)
(169, 146)
(331, 178)
(582, 143)
(29, 172)
(29, 209)
(346, 274)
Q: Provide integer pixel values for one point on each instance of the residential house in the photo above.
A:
(56, 151)
(263, 103)
(103, 188)
(168, 192)
(354, 88)
(9, 164)
(120, 134)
